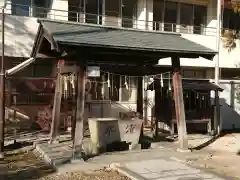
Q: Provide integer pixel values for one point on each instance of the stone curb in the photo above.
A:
(126, 172)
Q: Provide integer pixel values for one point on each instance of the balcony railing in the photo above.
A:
(80, 16)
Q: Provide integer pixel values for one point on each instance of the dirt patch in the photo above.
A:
(224, 164)
(19, 164)
(229, 143)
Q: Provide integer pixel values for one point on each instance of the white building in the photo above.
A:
(196, 20)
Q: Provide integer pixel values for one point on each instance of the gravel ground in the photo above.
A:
(86, 176)
(26, 165)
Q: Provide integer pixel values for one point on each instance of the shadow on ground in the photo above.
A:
(215, 138)
(197, 141)
(17, 145)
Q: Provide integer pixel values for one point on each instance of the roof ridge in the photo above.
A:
(39, 20)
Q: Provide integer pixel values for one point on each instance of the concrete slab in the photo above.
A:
(104, 160)
(55, 154)
(60, 154)
(163, 169)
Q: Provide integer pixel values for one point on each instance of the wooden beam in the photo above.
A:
(79, 129)
(179, 103)
(56, 107)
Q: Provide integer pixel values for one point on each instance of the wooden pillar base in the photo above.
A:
(53, 141)
(78, 153)
(183, 150)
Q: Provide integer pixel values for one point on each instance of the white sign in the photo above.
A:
(93, 71)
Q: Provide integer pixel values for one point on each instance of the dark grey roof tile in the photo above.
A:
(66, 32)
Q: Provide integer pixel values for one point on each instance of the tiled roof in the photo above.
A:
(71, 33)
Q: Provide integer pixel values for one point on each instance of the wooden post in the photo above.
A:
(140, 100)
(157, 102)
(79, 129)
(73, 121)
(56, 107)
(9, 93)
(216, 114)
(103, 87)
(9, 87)
(145, 100)
(120, 89)
(179, 103)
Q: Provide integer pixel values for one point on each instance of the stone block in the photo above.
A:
(106, 131)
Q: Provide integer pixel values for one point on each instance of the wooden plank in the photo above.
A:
(179, 103)
(56, 109)
(78, 133)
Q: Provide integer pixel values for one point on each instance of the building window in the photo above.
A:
(231, 20)
(113, 12)
(158, 14)
(226, 18)
(129, 12)
(86, 11)
(76, 9)
(93, 11)
(186, 17)
(199, 20)
(40, 8)
(170, 16)
(36, 8)
(229, 74)
(197, 74)
(191, 18)
(21, 8)
(112, 8)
